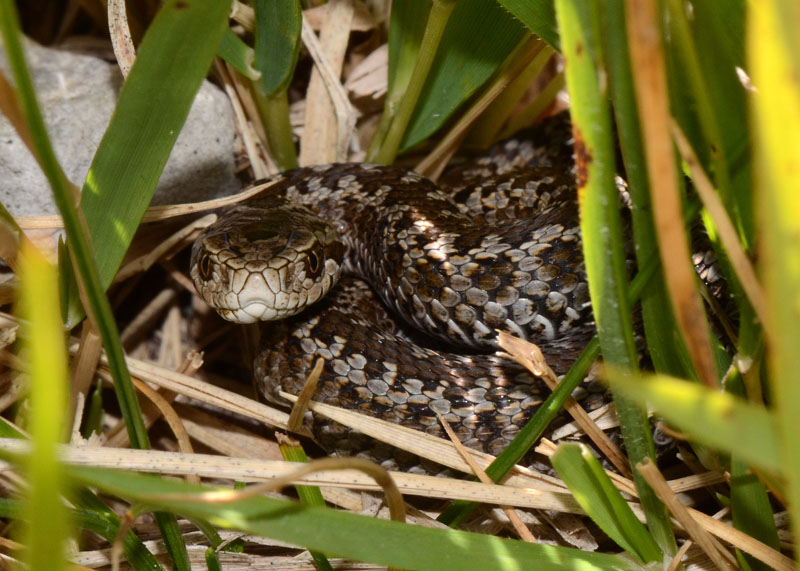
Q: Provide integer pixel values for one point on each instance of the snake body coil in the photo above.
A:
(499, 251)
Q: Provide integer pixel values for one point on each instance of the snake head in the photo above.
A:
(258, 264)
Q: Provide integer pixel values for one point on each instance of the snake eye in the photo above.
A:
(205, 267)
(314, 264)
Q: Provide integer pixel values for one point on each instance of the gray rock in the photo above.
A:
(77, 94)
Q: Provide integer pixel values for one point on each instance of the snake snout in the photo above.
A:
(263, 265)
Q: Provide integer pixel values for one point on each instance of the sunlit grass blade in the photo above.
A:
(146, 122)
(774, 60)
(717, 419)
(349, 535)
(406, 27)
(123, 174)
(652, 99)
(46, 529)
(309, 495)
(397, 127)
(596, 494)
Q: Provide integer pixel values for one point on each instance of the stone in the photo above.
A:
(77, 94)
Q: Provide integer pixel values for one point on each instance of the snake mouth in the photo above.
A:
(250, 313)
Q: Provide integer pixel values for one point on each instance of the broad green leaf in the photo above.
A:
(538, 15)
(349, 535)
(717, 419)
(170, 65)
(596, 494)
(774, 57)
(277, 42)
(46, 529)
(478, 38)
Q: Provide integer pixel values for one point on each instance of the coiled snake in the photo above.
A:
(499, 250)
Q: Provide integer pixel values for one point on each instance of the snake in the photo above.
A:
(401, 284)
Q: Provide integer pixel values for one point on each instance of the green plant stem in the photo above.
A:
(274, 112)
(601, 227)
(437, 21)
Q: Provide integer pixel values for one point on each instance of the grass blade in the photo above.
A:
(46, 529)
(146, 122)
(601, 229)
(538, 15)
(478, 39)
(775, 58)
(711, 417)
(596, 494)
(349, 535)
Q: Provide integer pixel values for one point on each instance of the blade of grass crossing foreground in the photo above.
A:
(774, 60)
(349, 535)
(597, 494)
(718, 419)
(601, 227)
(309, 495)
(46, 530)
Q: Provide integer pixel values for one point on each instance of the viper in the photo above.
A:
(431, 273)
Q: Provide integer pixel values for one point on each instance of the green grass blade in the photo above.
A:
(277, 42)
(350, 535)
(717, 419)
(407, 25)
(538, 15)
(665, 348)
(47, 530)
(150, 112)
(478, 39)
(601, 229)
(774, 59)
(596, 494)
(277, 45)
(128, 162)
(435, 27)
(309, 495)
(237, 53)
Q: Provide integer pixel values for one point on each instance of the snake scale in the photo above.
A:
(497, 248)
